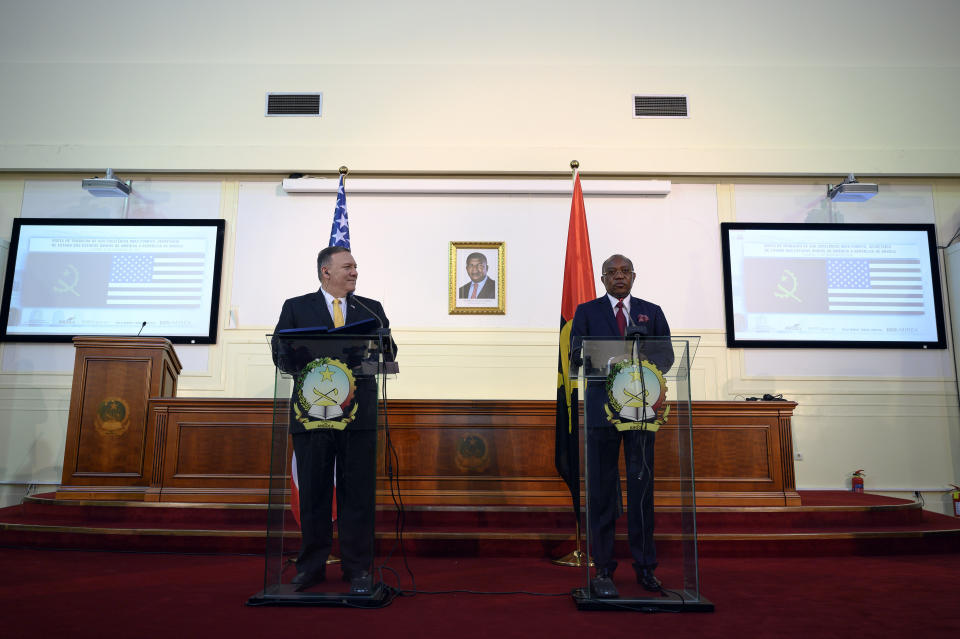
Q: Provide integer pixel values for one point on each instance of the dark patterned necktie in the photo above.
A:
(621, 318)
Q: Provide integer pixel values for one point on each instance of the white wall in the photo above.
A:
(775, 87)
(894, 413)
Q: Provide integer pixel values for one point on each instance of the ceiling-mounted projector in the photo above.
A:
(852, 191)
(107, 186)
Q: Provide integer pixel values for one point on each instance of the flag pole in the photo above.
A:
(575, 558)
(331, 558)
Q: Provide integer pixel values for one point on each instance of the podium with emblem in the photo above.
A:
(108, 452)
(635, 391)
(326, 385)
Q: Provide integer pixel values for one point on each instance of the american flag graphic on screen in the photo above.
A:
(163, 279)
(892, 286)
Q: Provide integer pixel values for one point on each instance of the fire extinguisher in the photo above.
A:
(956, 500)
(856, 481)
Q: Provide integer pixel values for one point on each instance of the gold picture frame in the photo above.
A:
(489, 296)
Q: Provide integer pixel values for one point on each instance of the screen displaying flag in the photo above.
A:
(832, 285)
(114, 277)
(578, 287)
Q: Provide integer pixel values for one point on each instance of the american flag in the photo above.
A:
(167, 279)
(339, 236)
(889, 287)
(340, 231)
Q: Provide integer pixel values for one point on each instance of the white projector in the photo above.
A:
(852, 191)
(107, 186)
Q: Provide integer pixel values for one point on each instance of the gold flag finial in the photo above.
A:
(344, 170)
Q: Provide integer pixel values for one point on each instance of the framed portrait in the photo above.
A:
(478, 280)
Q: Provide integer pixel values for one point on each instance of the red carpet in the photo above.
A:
(76, 594)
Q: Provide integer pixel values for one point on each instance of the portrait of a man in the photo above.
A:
(480, 286)
(477, 278)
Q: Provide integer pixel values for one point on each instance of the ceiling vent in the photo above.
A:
(294, 104)
(660, 106)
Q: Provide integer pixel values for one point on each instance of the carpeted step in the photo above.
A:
(835, 524)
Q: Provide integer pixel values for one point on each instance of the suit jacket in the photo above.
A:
(310, 311)
(596, 318)
(488, 292)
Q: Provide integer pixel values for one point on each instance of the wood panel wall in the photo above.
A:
(472, 452)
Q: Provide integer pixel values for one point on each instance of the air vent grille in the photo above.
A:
(660, 106)
(296, 104)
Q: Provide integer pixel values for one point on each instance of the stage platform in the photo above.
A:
(826, 523)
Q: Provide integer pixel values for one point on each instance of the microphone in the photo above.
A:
(637, 332)
(141, 328)
(634, 329)
(381, 329)
(383, 334)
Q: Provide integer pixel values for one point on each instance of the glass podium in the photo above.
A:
(635, 396)
(326, 391)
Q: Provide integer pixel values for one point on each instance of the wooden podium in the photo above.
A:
(110, 449)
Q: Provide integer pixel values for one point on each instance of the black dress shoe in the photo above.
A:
(305, 579)
(648, 580)
(361, 583)
(602, 586)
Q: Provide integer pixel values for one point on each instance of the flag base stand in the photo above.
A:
(672, 601)
(288, 595)
(574, 559)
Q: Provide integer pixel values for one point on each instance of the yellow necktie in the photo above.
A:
(337, 314)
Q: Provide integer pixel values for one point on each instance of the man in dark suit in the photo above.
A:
(609, 316)
(480, 286)
(321, 446)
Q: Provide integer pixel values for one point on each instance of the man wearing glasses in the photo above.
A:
(610, 316)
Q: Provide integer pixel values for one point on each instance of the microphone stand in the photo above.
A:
(637, 333)
(392, 461)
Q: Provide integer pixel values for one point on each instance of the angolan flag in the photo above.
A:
(578, 287)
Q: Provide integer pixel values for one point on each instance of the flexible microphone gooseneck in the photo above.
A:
(141, 328)
(637, 332)
(392, 458)
(381, 329)
(634, 329)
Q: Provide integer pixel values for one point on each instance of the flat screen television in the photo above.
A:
(832, 285)
(68, 277)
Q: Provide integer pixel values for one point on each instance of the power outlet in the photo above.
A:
(798, 456)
